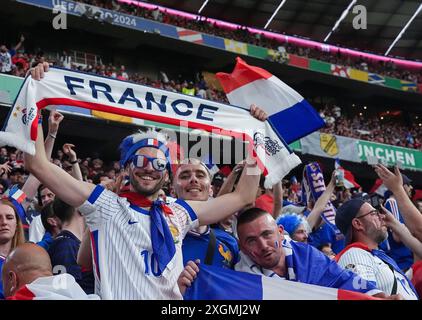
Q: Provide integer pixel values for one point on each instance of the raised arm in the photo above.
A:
(394, 182)
(222, 207)
(402, 233)
(67, 188)
(314, 218)
(228, 184)
(31, 184)
(76, 170)
(278, 199)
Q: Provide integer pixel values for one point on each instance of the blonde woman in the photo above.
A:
(11, 232)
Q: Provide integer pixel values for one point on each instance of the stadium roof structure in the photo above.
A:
(314, 19)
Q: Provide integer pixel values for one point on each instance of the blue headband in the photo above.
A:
(128, 149)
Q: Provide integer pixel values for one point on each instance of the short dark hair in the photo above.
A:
(56, 208)
(250, 215)
(323, 245)
(40, 188)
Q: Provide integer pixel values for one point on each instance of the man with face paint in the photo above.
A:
(136, 239)
(265, 251)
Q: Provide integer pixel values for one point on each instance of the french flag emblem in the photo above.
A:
(290, 114)
(153, 142)
(18, 195)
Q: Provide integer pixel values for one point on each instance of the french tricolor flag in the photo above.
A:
(214, 283)
(288, 111)
(17, 194)
(347, 178)
(59, 287)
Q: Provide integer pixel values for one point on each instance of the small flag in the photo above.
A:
(379, 188)
(346, 177)
(189, 35)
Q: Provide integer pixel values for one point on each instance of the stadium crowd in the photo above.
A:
(351, 124)
(242, 34)
(226, 220)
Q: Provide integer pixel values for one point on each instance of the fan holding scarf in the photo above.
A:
(136, 239)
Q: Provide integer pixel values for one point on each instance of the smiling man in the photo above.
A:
(137, 239)
(265, 251)
(365, 228)
(212, 246)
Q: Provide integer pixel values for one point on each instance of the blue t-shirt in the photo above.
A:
(325, 234)
(2, 259)
(226, 252)
(397, 250)
(64, 252)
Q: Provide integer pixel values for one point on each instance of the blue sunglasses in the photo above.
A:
(141, 161)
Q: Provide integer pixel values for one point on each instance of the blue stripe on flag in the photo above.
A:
(215, 42)
(215, 283)
(297, 121)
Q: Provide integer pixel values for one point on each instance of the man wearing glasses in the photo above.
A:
(364, 228)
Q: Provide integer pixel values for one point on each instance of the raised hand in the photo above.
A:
(187, 276)
(258, 113)
(5, 168)
(68, 150)
(37, 73)
(393, 181)
(54, 122)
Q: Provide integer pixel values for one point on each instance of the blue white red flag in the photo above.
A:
(291, 115)
(214, 283)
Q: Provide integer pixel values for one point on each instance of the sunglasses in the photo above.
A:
(141, 161)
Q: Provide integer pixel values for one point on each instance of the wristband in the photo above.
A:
(52, 135)
(73, 162)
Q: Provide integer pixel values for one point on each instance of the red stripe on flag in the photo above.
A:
(184, 33)
(22, 294)
(241, 75)
(351, 295)
(21, 198)
(34, 129)
(298, 61)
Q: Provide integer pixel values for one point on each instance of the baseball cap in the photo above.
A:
(361, 195)
(346, 213)
(406, 179)
(218, 179)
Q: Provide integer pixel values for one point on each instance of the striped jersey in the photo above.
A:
(123, 259)
(372, 268)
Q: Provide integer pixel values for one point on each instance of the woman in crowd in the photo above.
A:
(11, 232)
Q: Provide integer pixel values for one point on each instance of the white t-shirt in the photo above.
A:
(372, 268)
(124, 265)
(36, 229)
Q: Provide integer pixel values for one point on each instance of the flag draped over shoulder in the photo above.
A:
(59, 287)
(213, 283)
(71, 88)
(290, 114)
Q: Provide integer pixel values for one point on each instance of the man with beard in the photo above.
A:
(212, 246)
(136, 239)
(365, 228)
